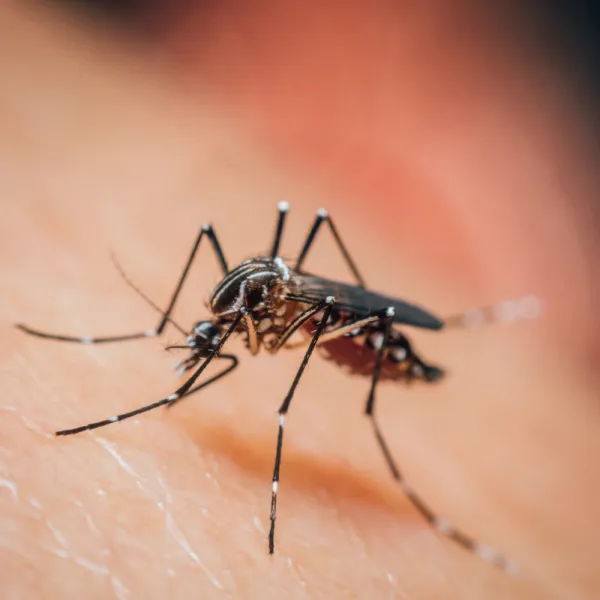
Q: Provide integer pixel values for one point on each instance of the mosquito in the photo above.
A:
(275, 304)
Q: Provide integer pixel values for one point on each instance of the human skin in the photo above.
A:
(102, 151)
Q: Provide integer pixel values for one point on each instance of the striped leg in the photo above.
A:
(165, 318)
(323, 215)
(283, 207)
(446, 529)
(506, 311)
(440, 525)
(179, 393)
(233, 360)
(327, 307)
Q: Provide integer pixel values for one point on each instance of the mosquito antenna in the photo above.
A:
(139, 292)
(506, 311)
(283, 207)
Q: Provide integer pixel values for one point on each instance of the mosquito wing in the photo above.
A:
(364, 302)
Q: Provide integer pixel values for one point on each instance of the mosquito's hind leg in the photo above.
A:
(323, 215)
(505, 311)
(440, 525)
(165, 318)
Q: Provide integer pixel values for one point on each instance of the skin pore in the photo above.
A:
(108, 147)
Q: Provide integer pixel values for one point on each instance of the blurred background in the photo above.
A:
(393, 105)
(457, 149)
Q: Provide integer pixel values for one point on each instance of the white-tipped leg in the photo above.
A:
(505, 311)
(328, 307)
(438, 524)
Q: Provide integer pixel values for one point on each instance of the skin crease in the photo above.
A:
(175, 504)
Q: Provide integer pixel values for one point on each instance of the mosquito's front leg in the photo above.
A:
(165, 318)
(182, 391)
(233, 360)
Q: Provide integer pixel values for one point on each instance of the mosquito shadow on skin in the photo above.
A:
(302, 471)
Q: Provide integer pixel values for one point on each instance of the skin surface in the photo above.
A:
(107, 147)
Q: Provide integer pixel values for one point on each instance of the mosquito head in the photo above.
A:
(204, 337)
(256, 284)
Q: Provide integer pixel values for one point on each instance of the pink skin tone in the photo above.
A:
(457, 175)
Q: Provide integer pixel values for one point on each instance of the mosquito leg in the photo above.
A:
(381, 354)
(506, 311)
(206, 230)
(189, 363)
(323, 215)
(283, 207)
(86, 340)
(440, 525)
(300, 320)
(179, 393)
(333, 334)
(327, 305)
(234, 363)
(209, 231)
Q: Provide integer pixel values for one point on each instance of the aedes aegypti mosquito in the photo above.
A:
(268, 300)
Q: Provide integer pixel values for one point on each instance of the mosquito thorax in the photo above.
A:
(257, 284)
